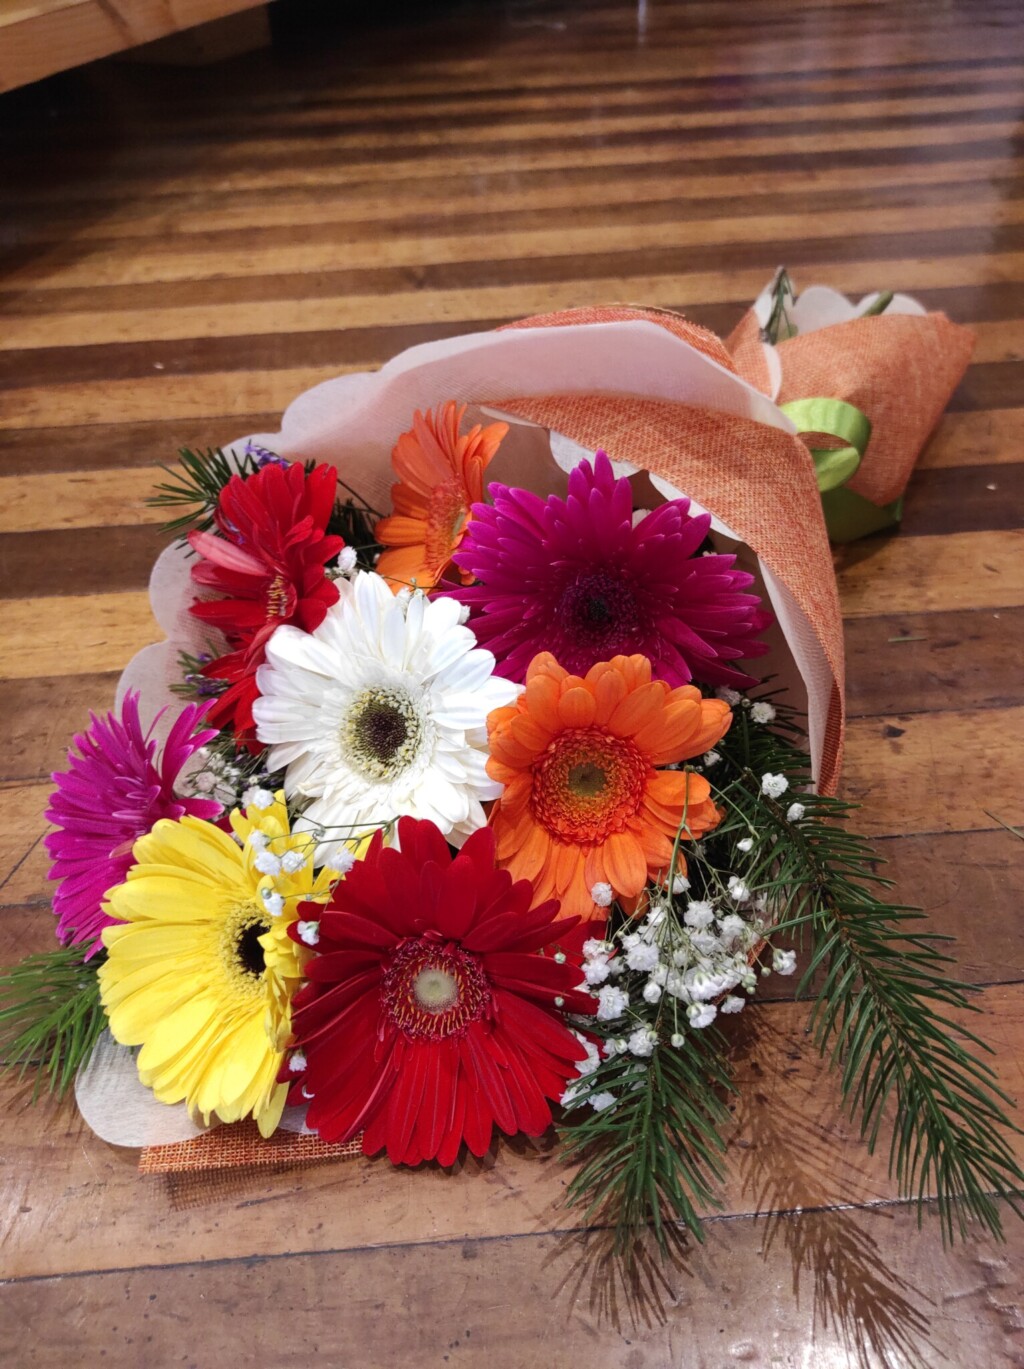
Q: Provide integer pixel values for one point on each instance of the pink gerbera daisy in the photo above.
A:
(112, 793)
(576, 578)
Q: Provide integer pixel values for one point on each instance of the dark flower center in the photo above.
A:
(587, 780)
(248, 951)
(381, 732)
(598, 611)
(431, 991)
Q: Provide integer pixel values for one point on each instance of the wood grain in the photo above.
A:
(182, 253)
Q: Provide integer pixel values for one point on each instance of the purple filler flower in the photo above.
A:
(112, 793)
(576, 578)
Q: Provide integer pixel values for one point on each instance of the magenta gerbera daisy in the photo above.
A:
(112, 793)
(576, 578)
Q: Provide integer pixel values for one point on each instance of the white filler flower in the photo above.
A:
(381, 713)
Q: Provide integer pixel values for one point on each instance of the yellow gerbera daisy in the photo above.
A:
(201, 969)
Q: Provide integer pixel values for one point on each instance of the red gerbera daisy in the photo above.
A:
(268, 563)
(429, 1015)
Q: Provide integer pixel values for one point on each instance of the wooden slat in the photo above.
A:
(963, 570)
(108, 263)
(880, 1270)
(506, 302)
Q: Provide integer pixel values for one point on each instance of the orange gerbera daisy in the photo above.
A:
(442, 476)
(584, 803)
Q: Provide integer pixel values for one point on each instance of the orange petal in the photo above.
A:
(545, 664)
(626, 869)
(529, 733)
(716, 719)
(541, 702)
(608, 688)
(398, 531)
(641, 706)
(668, 736)
(577, 707)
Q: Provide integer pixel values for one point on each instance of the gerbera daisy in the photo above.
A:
(583, 802)
(575, 577)
(201, 969)
(112, 792)
(429, 1016)
(268, 564)
(441, 476)
(381, 712)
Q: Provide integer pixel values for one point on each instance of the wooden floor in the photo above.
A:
(180, 254)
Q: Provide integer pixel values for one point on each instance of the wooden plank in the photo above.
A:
(946, 874)
(160, 397)
(88, 499)
(92, 560)
(23, 860)
(42, 715)
(923, 574)
(125, 445)
(570, 193)
(270, 251)
(936, 772)
(580, 1307)
(504, 302)
(108, 630)
(964, 499)
(919, 662)
(975, 439)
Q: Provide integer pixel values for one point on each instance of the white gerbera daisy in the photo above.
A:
(381, 713)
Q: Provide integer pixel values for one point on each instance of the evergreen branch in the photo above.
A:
(197, 486)
(886, 1012)
(51, 1016)
(655, 1155)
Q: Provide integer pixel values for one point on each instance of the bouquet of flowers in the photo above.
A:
(486, 770)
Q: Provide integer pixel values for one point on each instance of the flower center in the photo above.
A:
(447, 516)
(599, 614)
(431, 991)
(280, 598)
(381, 733)
(241, 954)
(587, 785)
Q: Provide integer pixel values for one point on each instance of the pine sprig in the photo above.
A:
(51, 1016)
(196, 487)
(886, 1012)
(656, 1156)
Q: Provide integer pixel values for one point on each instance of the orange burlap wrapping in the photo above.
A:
(758, 480)
(898, 369)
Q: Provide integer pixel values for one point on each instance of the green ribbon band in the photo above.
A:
(847, 515)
